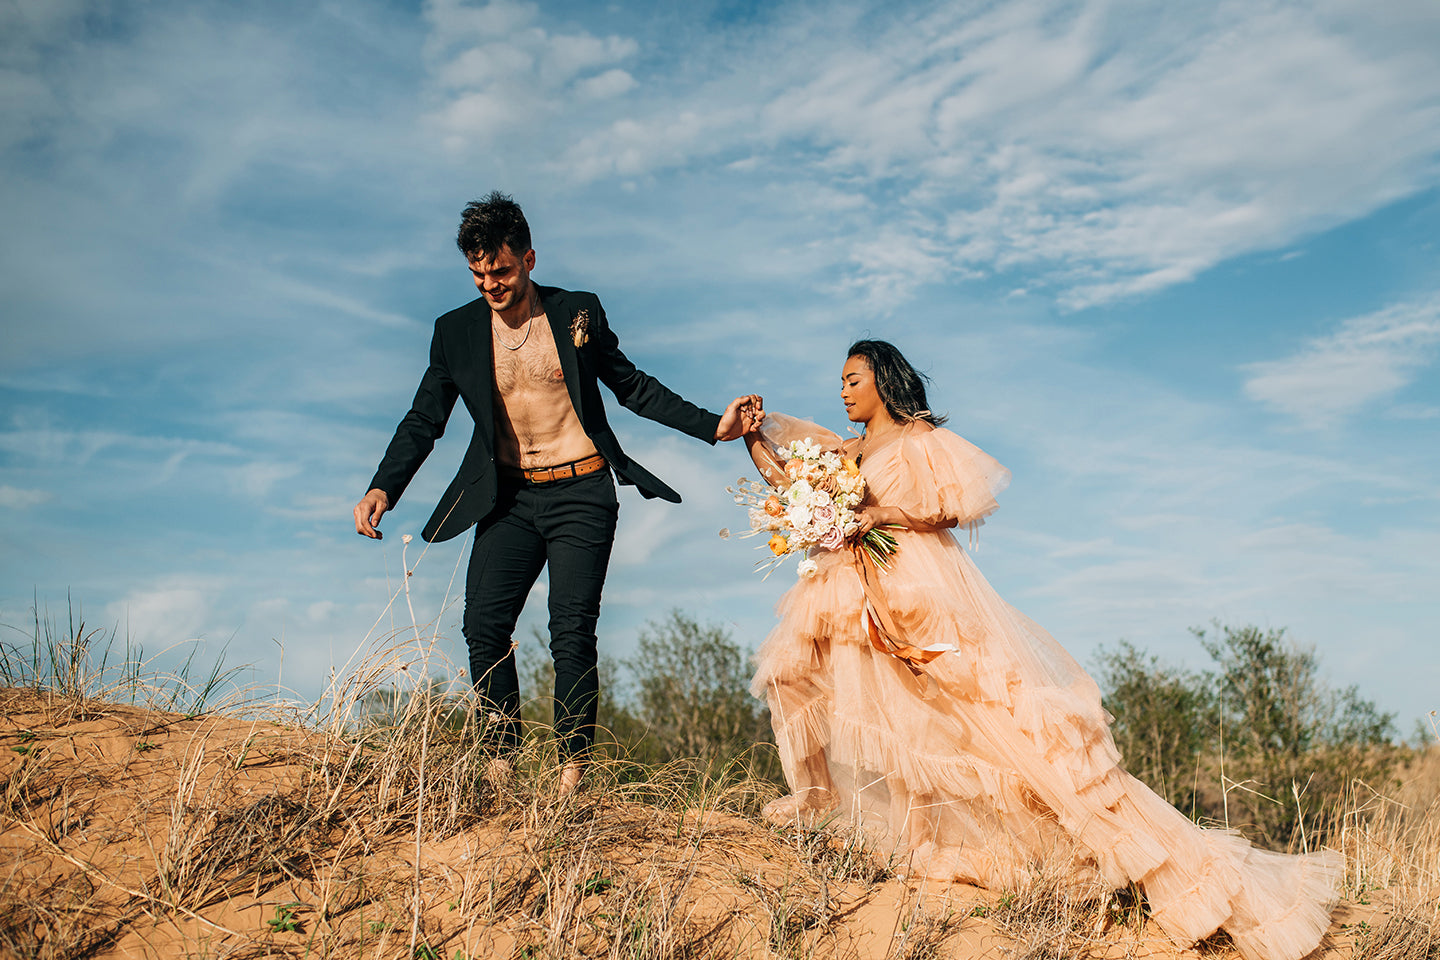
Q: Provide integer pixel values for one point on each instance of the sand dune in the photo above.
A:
(132, 832)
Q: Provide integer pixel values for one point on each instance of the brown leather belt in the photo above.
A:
(575, 468)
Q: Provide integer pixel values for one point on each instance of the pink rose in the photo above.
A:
(834, 539)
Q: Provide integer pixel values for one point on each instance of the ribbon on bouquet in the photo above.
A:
(880, 623)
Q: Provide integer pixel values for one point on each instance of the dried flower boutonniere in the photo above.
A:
(580, 328)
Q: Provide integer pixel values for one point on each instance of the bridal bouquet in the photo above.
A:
(815, 512)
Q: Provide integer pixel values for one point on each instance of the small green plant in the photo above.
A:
(423, 951)
(144, 745)
(595, 884)
(286, 919)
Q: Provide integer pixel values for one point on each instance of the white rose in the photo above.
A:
(808, 568)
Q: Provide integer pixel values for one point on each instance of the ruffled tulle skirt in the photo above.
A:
(996, 756)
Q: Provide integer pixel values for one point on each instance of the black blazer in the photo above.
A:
(461, 365)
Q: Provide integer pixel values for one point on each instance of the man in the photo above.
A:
(537, 476)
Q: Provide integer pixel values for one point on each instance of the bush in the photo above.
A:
(1164, 719)
(1262, 743)
(684, 695)
(692, 694)
(1289, 744)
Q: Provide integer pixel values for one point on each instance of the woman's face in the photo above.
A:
(857, 390)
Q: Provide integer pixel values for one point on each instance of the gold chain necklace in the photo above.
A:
(528, 324)
(501, 340)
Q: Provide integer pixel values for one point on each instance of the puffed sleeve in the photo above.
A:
(946, 477)
(779, 430)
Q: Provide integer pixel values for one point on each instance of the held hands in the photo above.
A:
(368, 513)
(743, 416)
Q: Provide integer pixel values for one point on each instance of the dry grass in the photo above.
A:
(1059, 916)
(197, 832)
(340, 831)
(1410, 932)
(1393, 842)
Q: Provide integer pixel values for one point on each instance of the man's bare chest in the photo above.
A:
(531, 366)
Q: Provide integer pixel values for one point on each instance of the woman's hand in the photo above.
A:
(872, 516)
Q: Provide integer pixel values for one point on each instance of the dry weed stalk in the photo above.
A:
(1060, 916)
(1410, 932)
(1393, 842)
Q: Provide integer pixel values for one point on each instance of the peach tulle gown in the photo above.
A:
(996, 753)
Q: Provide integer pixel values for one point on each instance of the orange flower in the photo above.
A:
(779, 545)
(851, 467)
(773, 507)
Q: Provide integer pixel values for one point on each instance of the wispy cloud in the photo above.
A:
(501, 71)
(1116, 148)
(169, 612)
(14, 498)
(1366, 360)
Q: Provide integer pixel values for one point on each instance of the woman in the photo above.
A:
(918, 704)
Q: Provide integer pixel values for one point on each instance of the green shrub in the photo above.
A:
(1164, 720)
(1290, 744)
(1262, 743)
(683, 695)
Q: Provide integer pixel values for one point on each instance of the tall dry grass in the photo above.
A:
(371, 824)
(374, 823)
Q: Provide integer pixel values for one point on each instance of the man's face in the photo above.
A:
(503, 279)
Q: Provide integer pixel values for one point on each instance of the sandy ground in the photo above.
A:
(128, 832)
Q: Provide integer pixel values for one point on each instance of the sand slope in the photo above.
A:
(129, 832)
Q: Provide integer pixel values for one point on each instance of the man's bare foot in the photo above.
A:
(570, 775)
(499, 772)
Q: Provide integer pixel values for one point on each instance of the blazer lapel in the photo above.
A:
(482, 349)
(560, 317)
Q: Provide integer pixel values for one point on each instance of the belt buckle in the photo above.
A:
(565, 471)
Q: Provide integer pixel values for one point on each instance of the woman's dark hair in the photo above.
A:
(900, 385)
(492, 223)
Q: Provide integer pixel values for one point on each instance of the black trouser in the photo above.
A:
(571, 525)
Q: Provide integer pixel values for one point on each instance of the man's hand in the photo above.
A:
(368, 513)
(744, 415)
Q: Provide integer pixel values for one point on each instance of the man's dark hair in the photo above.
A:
(900, 385)
(492, 223)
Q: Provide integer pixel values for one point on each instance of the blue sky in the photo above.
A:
(1175, 265)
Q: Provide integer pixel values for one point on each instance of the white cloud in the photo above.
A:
(499, 73)
(611, 83)
(1113, 148)
(1367, 359)
(167, 613)
(14, 498)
